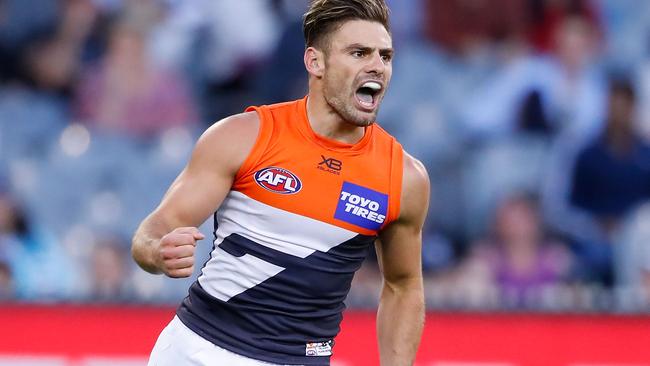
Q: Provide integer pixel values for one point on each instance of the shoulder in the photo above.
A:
(415, 173)
(228, 141)
(415, 189)
(242, 125)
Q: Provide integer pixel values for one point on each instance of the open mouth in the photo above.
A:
(367, 94)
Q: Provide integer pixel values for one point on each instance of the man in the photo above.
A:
(303, 189)
(609, 179)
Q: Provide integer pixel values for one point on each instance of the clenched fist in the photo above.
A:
(175, 254)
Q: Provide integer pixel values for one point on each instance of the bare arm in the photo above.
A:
(165, 240)
(400, 316)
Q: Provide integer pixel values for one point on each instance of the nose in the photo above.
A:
(375, 64)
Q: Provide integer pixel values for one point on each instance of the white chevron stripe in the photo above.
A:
(275, 228)
(225, 275)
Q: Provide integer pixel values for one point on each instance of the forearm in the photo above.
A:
(400, 319)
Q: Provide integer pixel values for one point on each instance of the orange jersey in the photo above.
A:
(320, 168)
(301, 215)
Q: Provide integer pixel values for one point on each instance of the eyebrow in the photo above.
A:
(359, 46)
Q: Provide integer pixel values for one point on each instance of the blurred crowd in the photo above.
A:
(532, 117)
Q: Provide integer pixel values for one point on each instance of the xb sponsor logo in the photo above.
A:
(278, 180)
(330, 165)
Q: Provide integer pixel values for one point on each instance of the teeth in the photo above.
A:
(372, 85)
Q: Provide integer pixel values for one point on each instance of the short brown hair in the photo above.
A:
(326, 16)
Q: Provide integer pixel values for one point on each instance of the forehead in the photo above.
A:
(363, 32)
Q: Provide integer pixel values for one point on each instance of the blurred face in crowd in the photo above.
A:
(7, 215)
(6, 281)
(127, 47)
(357, 69)
(621, 108)
(575, 42)
(108, 269)
(51, 63)
(517, 221)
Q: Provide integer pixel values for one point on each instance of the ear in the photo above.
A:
(314, 62)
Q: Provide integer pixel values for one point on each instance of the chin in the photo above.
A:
(363, 122)
(351, 114)
(361, 119)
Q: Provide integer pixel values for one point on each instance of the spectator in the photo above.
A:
(207, 38)
(566, 84)
(518, 257)
(49, 57)
(610, 178)
(18, 23)
(50, 64)
(109, 271)
(632, 260)
(127, 93)
(612, 173)
(547, 15)
(6, 282)
(284, 77)
(40, 268)
(463, 26)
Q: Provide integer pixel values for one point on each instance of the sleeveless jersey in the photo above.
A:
(301, 215)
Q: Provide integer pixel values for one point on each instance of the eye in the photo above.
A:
(386, 58)
(358, 53)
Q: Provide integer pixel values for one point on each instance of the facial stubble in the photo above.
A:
(336, 98)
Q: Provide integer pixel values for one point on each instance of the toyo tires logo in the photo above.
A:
(278, 180)
(362, 206)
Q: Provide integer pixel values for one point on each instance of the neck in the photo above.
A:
(620, 140)
(326, 122)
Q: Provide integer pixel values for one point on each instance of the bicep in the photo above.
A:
(399, 248)
(193, 196)
(399, 252)
(206, 180)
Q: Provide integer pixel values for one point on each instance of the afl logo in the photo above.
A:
(278, 180)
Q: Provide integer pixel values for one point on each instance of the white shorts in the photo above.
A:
(179, 345)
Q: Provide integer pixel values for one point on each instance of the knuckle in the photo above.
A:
(187, 263)
(181, 239)
(190, 270)
(165, 253)
(181, 273)
(168, 241)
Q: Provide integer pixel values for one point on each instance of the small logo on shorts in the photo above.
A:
(278, 180)
(319, 349)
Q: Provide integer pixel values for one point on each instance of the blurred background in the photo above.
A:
(532, 117)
